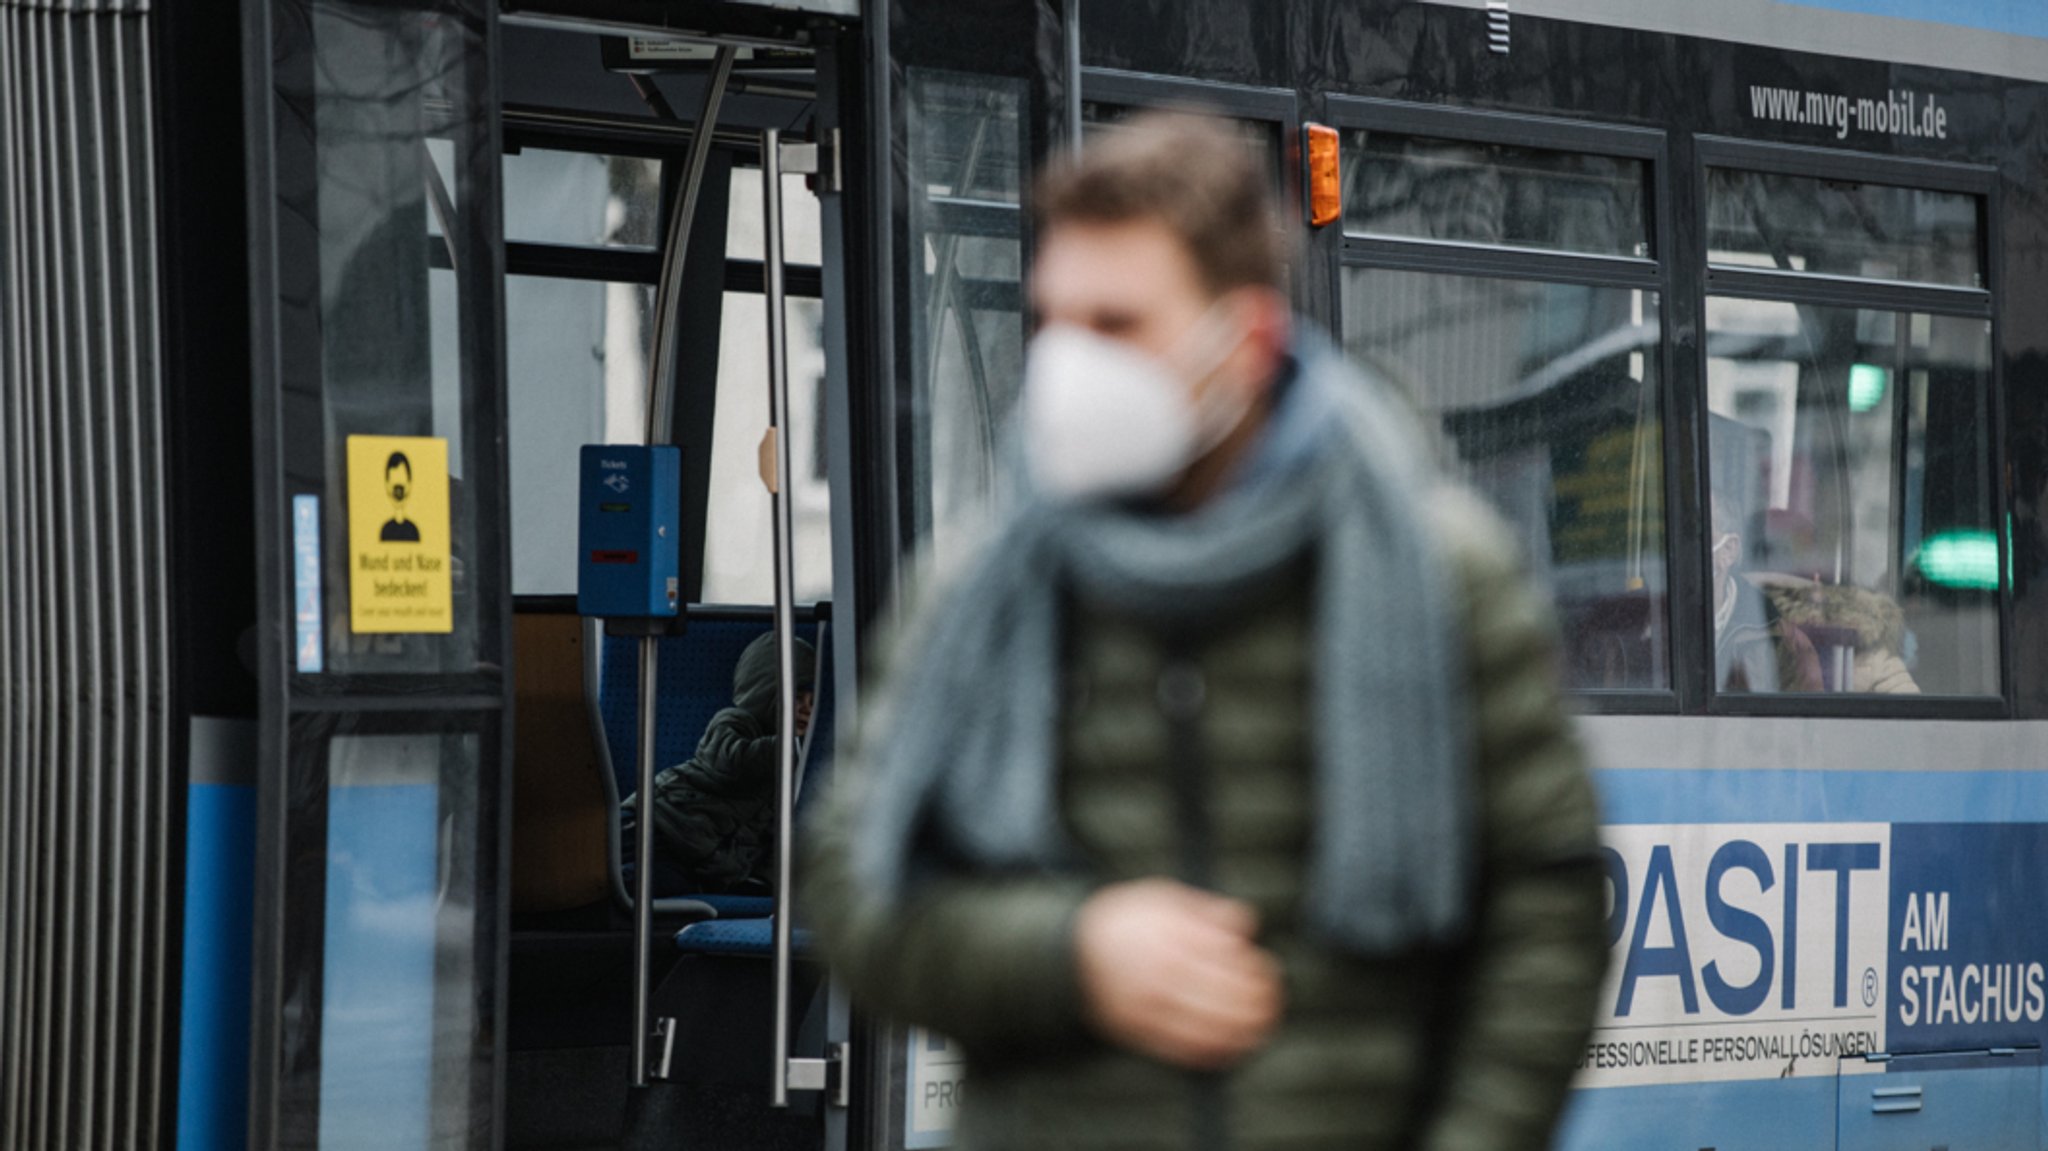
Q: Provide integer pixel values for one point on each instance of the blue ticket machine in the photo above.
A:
(628, 564)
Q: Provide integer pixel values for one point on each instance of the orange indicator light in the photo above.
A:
(1325, 190)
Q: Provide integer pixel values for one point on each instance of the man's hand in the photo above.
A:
(1172, 972)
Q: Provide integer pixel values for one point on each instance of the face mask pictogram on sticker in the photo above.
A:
(1105, 420)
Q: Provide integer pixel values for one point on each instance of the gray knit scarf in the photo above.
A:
(963, 767)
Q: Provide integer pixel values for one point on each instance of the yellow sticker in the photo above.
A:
(398, 535)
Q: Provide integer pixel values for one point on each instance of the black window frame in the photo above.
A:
(1986, 303)
(1657, 272)
(1280, 108)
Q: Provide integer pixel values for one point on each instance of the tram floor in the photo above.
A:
(567, 1078)
(577, 1099)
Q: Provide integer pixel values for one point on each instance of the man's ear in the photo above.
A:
(1276, 314)
(1269, 324)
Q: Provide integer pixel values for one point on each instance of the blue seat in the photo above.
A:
(738, 937)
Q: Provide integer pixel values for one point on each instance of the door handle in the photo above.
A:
(786, 1074)
(782, 1072)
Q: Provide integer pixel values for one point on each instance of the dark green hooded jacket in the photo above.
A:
(1466, 1048)
(714, 813)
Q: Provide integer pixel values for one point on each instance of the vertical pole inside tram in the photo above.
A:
(785, 600)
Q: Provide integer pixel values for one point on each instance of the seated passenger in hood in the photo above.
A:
(714, 813)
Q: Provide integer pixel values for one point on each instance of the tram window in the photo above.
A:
(1424, 188)
(1547, 396)
(1841, 228)
(579, 198)
(1260, 137)
(392, 327)
(399, 954)
(985, 351)
(966, 177)
(977, 262)
(1854, 544)
(739, 547)
(576, 373)
(802, 242)
(968, 136)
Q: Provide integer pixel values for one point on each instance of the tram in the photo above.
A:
(309, 806)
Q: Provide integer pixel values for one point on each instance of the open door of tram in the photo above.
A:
(508, 890)
(830, 333)
(675, 282)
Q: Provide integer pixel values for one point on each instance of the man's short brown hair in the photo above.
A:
(1185, 171)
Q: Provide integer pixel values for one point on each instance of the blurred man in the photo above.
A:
(1225, 800)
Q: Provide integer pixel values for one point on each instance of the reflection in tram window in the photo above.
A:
(1500, 195)
(1849, 458)
(582, 199)
(1839, 228)
(1547, 396)
(967, 321)
(967, 132)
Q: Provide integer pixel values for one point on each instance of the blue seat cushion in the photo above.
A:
(755, 937)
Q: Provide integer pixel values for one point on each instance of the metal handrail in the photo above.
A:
(660, 398)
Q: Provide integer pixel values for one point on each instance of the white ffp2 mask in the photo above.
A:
(1103, 420)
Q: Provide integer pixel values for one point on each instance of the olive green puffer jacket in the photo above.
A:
(1449, 1051)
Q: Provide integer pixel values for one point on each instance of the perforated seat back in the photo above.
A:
(695, 681)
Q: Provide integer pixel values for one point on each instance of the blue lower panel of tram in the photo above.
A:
(1907, 1108)
(213, 1036)
(1820, 959)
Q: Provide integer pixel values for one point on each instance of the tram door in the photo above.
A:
(382, 647)
(967, 101)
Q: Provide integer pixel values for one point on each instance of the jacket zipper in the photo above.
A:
(1182, 695)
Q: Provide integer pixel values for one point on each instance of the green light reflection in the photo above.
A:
(1866, 386)
(1961, 559)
